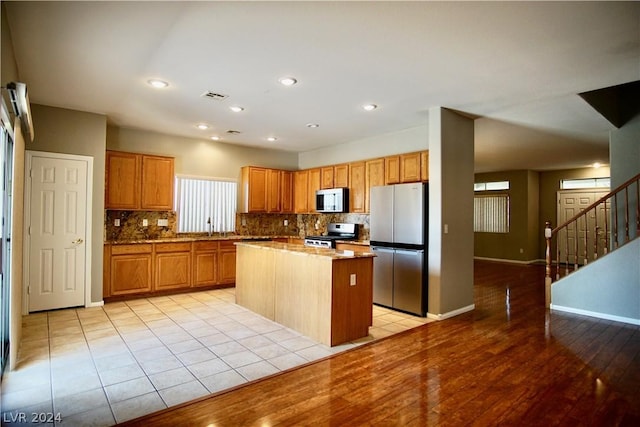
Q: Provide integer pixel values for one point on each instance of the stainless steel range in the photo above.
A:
(335, 231)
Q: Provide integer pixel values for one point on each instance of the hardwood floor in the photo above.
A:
(509, 362)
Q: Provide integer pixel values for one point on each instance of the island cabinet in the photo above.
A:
(138, 181)
(130, 269)
(172, 265)
(324, 294)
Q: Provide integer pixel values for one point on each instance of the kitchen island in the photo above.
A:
(325, 294)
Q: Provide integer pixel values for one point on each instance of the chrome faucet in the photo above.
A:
(210, 227)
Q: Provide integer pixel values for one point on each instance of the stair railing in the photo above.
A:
(593, 232)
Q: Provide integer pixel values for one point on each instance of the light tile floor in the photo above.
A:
(103, 365)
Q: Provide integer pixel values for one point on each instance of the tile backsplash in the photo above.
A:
(298, 225)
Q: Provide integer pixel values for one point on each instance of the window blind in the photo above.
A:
(200, 200)
(491, 213)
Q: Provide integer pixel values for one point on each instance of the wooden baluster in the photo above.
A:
(576, 240)
(558, 254)
(566, 264)
(595, 243)
(638, 207)
(585, 260)
(547, 277)
(606, 228)
(626, 214)
(614, 210)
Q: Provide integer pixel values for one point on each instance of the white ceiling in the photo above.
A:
(517, 65)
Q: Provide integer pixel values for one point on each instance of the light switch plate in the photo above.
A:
(116, 222)
(352, 280)
(163, 222)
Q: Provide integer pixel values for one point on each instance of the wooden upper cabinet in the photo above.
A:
(274, 186)
(375, 175)
(314, 185)
(327, 177)
(424, 166)
(357, 188)
(300, 190)
(341, 176)
(410, 167)
(138, 181)
(157, 183)
(122, 180)
(286, 191)
(392, 170)
(253, 189)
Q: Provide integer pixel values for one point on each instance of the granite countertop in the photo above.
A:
(194, 239)
(306, 250)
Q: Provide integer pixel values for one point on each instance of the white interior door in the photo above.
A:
(57, 231)
(572, 241)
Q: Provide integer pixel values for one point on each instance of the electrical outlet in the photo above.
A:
(163, 222)
(145, 222)
(244, 221)
(352, 280)
(116, 222)
(286, 222)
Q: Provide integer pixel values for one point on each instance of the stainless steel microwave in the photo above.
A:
(332, 200)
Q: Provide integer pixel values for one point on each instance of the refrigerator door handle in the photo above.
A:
(382, 249)
(410, 251)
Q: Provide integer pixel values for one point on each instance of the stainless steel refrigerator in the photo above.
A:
(399, 238)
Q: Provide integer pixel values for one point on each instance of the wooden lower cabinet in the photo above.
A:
(143, 268)
(205, 263)
(227, 262)
(172, 265)
(130, 269)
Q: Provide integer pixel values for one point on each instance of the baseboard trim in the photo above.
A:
(596, 314)
(450, 314)
(95, 304)
(509, 261)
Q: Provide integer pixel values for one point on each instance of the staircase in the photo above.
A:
(603, 228)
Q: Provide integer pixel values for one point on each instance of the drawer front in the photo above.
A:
(205, 246)
(173, 247)
(228, 244)
(131, 249)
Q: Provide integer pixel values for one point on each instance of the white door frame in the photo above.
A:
(27, 220)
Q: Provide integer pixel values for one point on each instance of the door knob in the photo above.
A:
(77, 241)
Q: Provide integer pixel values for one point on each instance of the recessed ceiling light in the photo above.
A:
(288, 81)
(236, 109)
(312, 125)
(272, 139)
(202, 126)
(596, 165)
(159, 84)
(215, 138)
(369, 107)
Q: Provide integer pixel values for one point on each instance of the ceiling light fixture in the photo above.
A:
(287, 81)
(158, 84)
(272, 139)
(369, 107)
(202, 126)
(596, 165)
(313, 125)
(236, 109)
(215, 138)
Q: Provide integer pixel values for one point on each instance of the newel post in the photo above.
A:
(547, 276)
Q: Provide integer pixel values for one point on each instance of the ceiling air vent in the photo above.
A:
(214, 95)
(233, 132)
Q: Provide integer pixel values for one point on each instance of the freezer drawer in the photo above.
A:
(408, 281)
(383, 276)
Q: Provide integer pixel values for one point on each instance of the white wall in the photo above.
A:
(603, 289)
(404, 141)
